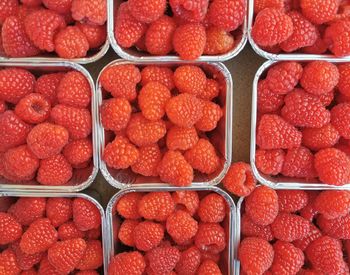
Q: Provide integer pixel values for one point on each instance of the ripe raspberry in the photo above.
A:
(179, 138)
(250, 229)
(86, 216)
(319, 47)
(39, 237)
(320, 138)
(47, 268)
(148, 235)
(184, 110)
(314, 234)
(147, 163)
(60, 6)
(127, 262)
(269, 162)
(70, 43)
(218, 41)
(33, 108)
(212, 114)
(25, 261)
(76, 120)
(47, 86)
(269, 101)
(10, 229)
(319, 12)
(7, 9)
(147, 11)
(174, 169)
(333, 204)
(299, 163)
(15, 83)
(212, 90)
(212, 208)
(209, 267)
(291, 201)
(340, 119)
(271, 26)
(262, 205)
(332, 166)
(156, 206)
(78, 152)
(127, 206)
(162, 75)
(189, 41)
(59, 210)
(189, 11)
(54, 170)
(210, 238)
(126, 232)
(259, 5)
(276, 133)
(190, 79)
(344, 79)
(8, 264)
(338, 228)
(287, 258)
(189, 262)
(255, 255)
(94, 12)
(115, 114)
(181, 227)
(27, 210)
(93, 256)
(47, 140)
(337, 39)
(95, 35)
(68, 231)
(187, 201)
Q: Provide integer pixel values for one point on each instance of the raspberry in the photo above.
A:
(162, 75)
(299, 163)
(27, 210)
(190, 79)
(60, 6)
(212, 90)
(336, 228)
(78, 152)
(320, 138)
(189, 11)
(287, 258)
(127, 262)
(8, 264)
(86, 216)
(291, 201)
(126, 232)
(319, 12)
(187, 201)
(179, 138)
(332, 166)
(276, 133)
(68, 231)
(47, 268)
(212, 208)
(15, 83)
(209, 267)
(210, 256)
(121, 80)
(259, 5)
(250, 229)
(70, 43)
(95, 35)
(340, 119)
(174, 169)
(319, 77)
(262, 205)
(148, 235)
(47, 140)
(10, 229)
(39, 237)
(184, 110)
(325, 255)
(239, 179)
(333, 204)
(25, 261)
(289, 227)
(93, 234)
(54, 170)
(59, 210)
(33, 108)
(94, 12)
(127, 206)
(268, 101)
(115, 114)
(314, 234)
(337, 39)
(7, 9)
(218, 41)
(189, 262)
(41, 26)
(76, 120)
(269, 162)
(212, 114)
(15, 41)
(189, 41)
(210, 238)
(93, 256)
(147, 163)
(319, 47)
(156, 206)
(255, 255)
(142, 131)
(271, 27)
(47, 86)
(344, 79)
(162, 260)
(309, 212)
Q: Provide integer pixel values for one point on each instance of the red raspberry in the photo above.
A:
(115, 114)
(86, 216)
(210, 238)
(314, 234)
(250, 229)
(93, 256)
(25, 261)
(126, 232)
(262, 205)
(340, 119)
(54, 170)
(259, 5)
(59, 210)
(337, 39)
(184, 110)
(147, 11)
(47, 140)
(332, 166)
(47, 86)
(190, 79)
(33, 108)
(189, 41)
(162, 75)
(344, 79)
(291, 201)
(287, 258)
(212, 114)
(7, 9)
(319, 12)
(143, 132)
(127, 262)
(47, 268)
(15, 41)
(163, 260)
(147, 163)
(319, 47)
(209, 267)
(309, 211)
(189, 262)
(255, 255)
(320, 138)
(39, 237)
(148, 235)
(189, 11)
(276, 133)
(60, 6)
(174, 169)
(218, 41)
(15, 83)
(338, 228)
(8, 264)
(333, 204)
(121, 80)
(212, 208)
(156, 206)
(76, 120)
(95, 35)
(271, 26)
(187, 201)
(299, 163)
(269, 162)
(212, 90)
(10, 229)
(78, 152)
(127, 206)
(268, 101)
(319, 77)
(94, 12)
(27, 210)
(179, 138)
(68, 231)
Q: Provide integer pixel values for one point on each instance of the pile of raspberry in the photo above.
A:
(295, 232)
(184, 232)
(187, 28)
(306, 26)
(303, 123)
(159, 120)
(68, 28)
(50, 236)
(45, 126)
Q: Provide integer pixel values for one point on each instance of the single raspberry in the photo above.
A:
(271, 26)
(27, 210)
(7, 9)
(262, 205)
(332, 166)
(212, 208)
(126, 232)
(333, 204)
(10, 229)
(189, 11)
(162, 75)
(260, 5)
(55, 170)
(70, 43)
(190, 79)
(338, 228)
(299, 163)
(148, 235)
(287, 258)
(319, 47)
(255, 255)
(127, 262)
(148, 161)
(320, 138)
(127, 206)
(340, 119)
(179, 138)
(337, 39)
(121, 80)
(94, 12)
(218, 41)
(93, 256)
(115, 114)
(269, 101)
(8, 263)
(33, 108)
(212, 90)
(276, 133)
(47, 140)
(209, 267)
(78, 152)
(156, 206)
(15, 83)
(147, 11)
(60, 6)
(86, 216)
(210, 237)
(344, 79)
(25, 261)
(291, 201)
(95, 35)
(59, 210)
(76, 120)
(174, 169)
(250, 229)
(189, 262)
(47, 86)
(181, 227)
(46, 268)
(68, 231)
(314, 234)
(187, 201)
(39, 237)
(227, 14)
(319, 12)
(212, 114)
(269, 162)
(189, 41)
